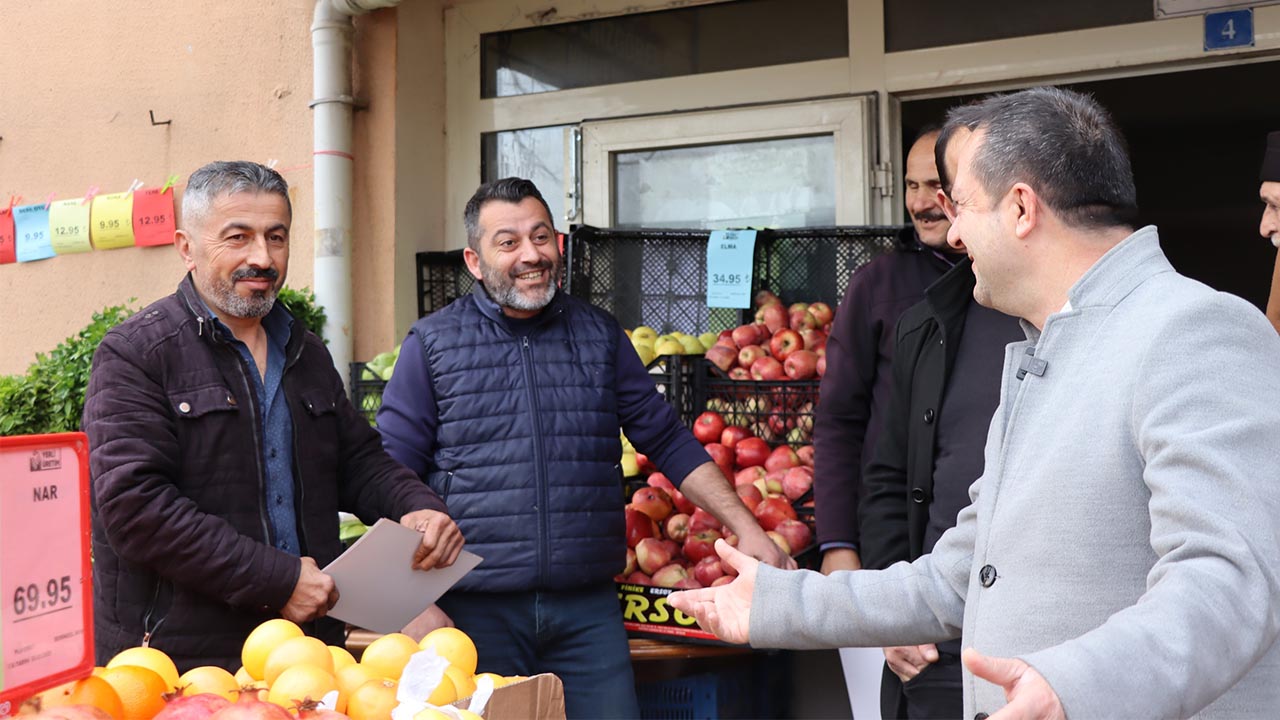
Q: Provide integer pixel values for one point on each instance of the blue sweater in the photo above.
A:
(516, 421)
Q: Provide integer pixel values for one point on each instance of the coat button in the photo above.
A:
(987, 576)
(928, 416)
(231, 400)
(917, 495)
(981, 716)
(184, 407)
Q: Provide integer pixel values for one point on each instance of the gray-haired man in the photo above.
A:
(222, 447)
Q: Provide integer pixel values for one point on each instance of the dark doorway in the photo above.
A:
(1196, 139)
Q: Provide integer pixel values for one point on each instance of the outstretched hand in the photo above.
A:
(723, 610)
(1029, 695)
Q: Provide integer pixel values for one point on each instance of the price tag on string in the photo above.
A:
(111, 224)
(31, 232)
(46, 593)
(8, 253)
(69, 226)
(730, 259)
(153, 222)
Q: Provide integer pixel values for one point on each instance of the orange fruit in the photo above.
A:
(498, 680)
(341, 658)
(431, 714)
(349, 678)
(151, 659)
(92, 690)
(300, 683)
(444, 693)
(297, 651)
(265, 638)
(373, 700)
(388, 655)
(210, 679)
(463, 682)
(453, 645)
(140, 689)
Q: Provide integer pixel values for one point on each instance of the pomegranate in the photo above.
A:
(191, 707)
(248, 707)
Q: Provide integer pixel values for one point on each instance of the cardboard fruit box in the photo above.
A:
(540, 697)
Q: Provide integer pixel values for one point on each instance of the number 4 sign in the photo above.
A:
(46, 596)
(1228, 30)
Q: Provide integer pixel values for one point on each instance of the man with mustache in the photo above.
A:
(222, 446)
(857, 385)
(508, 403)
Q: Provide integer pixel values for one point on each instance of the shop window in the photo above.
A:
(668, 43)
(535, 154)
(918, 24)
(788, 182)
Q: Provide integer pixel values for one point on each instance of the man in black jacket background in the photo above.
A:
(945, 388)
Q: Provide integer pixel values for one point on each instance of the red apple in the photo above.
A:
(772, 511)
(722, 580)
(797, 534)
(744, 336)
(783, 343)
(631, 563)
(750, 495)
(751, 451)
(652, 501)
(639, 578)
(797, 482)
(780, 423)
(722, 356)
(701, 544)
(726, 336)
(773, 482)
(806, 455)
(731, 540)
(652, 554)
(688, 584)
(646, 466)
(702, 520)
(768, 369)
(765, 297)
(732, 434)
(822, 365)
(708, 426)
(822, 312)
(813, 339)
(794, 307)
(669, 575)
(762, 430)
(748, 476)
(801, 320)
(773, 316)
(639, 526)
(749, 354)
(782, 458)
(779, 541)
(801, 365)
(678, 527)
(722, 457)
(739, 373)
(708, 570)
(682, 503)
(658, 480)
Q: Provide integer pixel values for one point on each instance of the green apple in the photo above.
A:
(669, 346)
(708, 339)
(691, 345)
(644, 332)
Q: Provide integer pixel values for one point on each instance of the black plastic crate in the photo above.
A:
(656, 278)
(673, 377)
(754, 686)
(442, 278)
(366, 391)
(780, 412)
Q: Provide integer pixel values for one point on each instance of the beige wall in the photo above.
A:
(234, 76)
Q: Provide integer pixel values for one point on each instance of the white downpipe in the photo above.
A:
(332, 108)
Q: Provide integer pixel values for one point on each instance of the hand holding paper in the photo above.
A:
(441, 539)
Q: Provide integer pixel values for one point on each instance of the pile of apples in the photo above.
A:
(671, 541)
(784, 342)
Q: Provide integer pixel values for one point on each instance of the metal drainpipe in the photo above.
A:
(332, 109)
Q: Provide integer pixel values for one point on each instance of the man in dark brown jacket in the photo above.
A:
(222, 447)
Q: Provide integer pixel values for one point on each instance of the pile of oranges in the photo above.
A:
(282, 667)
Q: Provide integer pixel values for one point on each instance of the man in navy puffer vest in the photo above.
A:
(508, 403)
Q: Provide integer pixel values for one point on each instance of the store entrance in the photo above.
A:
(1196, 139)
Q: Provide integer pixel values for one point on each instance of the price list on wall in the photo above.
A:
(46, 627)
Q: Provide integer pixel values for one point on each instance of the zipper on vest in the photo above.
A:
(540, 470)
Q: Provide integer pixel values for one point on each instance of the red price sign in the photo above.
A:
(46, 593)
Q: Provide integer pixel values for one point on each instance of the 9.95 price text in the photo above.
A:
(29, 599)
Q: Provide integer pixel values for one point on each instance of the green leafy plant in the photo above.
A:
(50, 397)
(301, 304)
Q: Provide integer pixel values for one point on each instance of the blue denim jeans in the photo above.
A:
(577, 635)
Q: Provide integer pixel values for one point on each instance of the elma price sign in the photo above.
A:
(46, 621)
